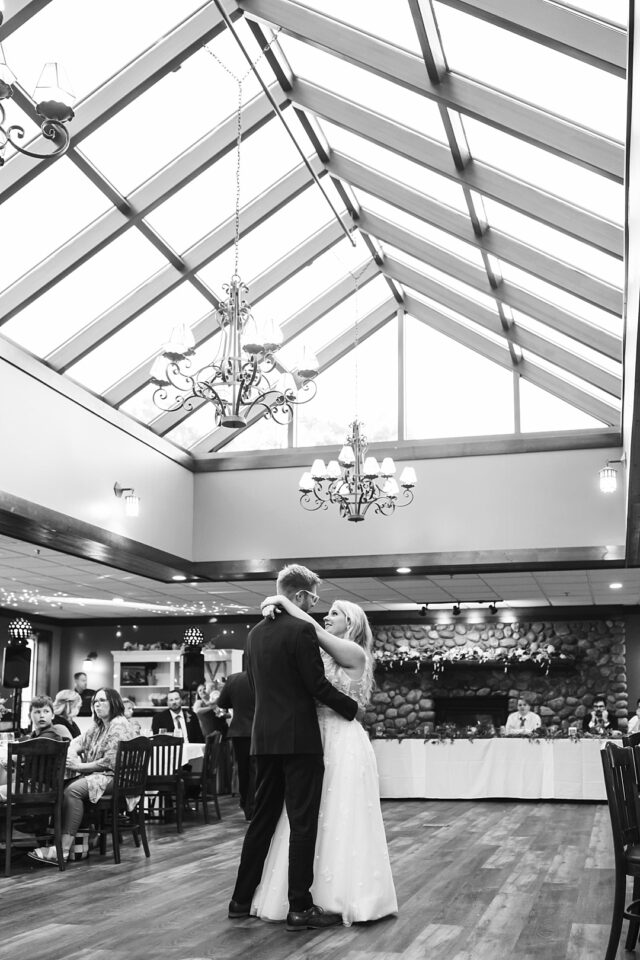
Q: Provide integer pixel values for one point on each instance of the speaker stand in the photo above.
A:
(17, 711)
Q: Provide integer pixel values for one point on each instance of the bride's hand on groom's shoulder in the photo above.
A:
(270, 608)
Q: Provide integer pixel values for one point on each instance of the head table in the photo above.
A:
(502, 767)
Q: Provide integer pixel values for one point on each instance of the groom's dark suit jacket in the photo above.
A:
(286, 672)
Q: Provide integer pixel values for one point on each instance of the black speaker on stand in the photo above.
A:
(192, 661)
(16, 667)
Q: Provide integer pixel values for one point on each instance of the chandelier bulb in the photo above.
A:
(272, 335)
(252, 342)
(181, 343)
(390, 488)
(408, 478)
(371, 467)
(308, 366)
(346, 456)
(306, 482)
(318, 470)
(158, 373)
(333, 470)
(53, 94)
(388, 467)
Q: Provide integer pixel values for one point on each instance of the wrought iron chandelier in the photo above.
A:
(355, 482)
(238, 380)
(53, 100)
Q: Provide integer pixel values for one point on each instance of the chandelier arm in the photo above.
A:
(313, 505)
(51, 129)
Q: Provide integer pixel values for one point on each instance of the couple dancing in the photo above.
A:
(315, 852)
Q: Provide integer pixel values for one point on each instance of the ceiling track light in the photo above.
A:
(131, 501)
(608, 475)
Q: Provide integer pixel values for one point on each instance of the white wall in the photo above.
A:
(506, 502)
(62, 456)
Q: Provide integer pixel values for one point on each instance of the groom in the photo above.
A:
(285, 669)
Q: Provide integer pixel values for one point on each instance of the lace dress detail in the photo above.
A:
(352, 873)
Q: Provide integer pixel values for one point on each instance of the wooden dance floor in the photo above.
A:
(476, 880)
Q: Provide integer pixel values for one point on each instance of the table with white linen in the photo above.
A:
(501, 767)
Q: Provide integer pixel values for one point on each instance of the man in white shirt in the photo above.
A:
(172, 720)
(523, 721)
(634, 721)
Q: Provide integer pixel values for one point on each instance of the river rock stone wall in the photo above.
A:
(403, 705)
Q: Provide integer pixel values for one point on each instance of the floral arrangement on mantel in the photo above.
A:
(405, 656)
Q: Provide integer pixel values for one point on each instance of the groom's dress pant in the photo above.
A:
(296, 781)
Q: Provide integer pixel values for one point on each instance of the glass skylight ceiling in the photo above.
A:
(487, 209)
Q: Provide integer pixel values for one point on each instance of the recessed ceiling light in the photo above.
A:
(178, 576)
(403, 570)
(615, 586)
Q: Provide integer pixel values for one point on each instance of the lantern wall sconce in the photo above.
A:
(131, 501)
(608, 476)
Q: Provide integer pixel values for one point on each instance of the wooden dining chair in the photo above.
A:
(631, 740)
(620, 766)
(165, 780)
(122, 808)
(35, 785)
(205, 781)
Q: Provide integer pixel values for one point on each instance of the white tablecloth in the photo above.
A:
(512, 768)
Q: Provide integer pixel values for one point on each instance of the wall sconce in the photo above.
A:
(423, 609)
(455, 610)
(89, 661)
(492, 609)
(608, 476)
(131, 502)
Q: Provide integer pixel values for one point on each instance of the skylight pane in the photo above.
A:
(84, 294)
(44, 214)
(541, 411)
(439, 373)
(266, 434)
(575, 346)
(374, 378)
(613, 11)
(146, 334)
(141, 406)
(201, 93)
(542, 169)
(365, 88)
(198, 425)
(372, 16)
(533, 72)
(448, 279)
(107, 45)
(209, 199)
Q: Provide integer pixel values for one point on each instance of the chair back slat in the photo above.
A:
(132, 762)
(166, 757)
(213, 747)
(621, 781)
(35, 771)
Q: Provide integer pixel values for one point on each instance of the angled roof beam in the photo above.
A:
(605, 412)
(20, 12)
(137, 205)
(515, 117)
(263, 284)
(291, 328)
(601, 44)
(337, 349)
(520, 336)
(168, 278)
(159, 60)
(544, 207)
(514, 296)
(494, 242)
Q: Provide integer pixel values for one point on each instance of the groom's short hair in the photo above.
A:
(295, 577)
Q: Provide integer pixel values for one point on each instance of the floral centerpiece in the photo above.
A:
(404, 656)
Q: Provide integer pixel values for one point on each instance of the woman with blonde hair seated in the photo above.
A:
(66, 706)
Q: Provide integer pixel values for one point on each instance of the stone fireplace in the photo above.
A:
(471, 710)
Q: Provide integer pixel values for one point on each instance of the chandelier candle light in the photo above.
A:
(355, 482)
(237, 381)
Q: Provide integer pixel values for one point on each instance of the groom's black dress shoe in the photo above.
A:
(314, 918)
(238, 910)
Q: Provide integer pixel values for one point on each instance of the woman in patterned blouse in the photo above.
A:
(92, 756)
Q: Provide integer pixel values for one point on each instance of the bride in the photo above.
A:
(352, 874)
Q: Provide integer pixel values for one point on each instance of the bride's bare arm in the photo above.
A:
(346, 653)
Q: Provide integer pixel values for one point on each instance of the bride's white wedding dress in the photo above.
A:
(352, 874)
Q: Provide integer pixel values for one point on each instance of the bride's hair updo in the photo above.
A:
(359, 631)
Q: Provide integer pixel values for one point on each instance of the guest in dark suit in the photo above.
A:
(174, 719)
(86, 693)
(286, 673)
(237, 695)
(599, 720)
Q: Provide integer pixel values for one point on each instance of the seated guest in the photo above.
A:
(203, 697)
(42, 717)
(523, 720)
(134, 723)
(634, 721)
(173, 720)
(66, 706)
(86, 693)
(599, 720)
(92, 757)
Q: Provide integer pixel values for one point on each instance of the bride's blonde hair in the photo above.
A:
(359, 631)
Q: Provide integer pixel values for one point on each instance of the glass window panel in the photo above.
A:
(443, 393)
(111, 37)
(562, 299)
(209, 199)
(447, 279)
(393, 165)
(614, 11)
(422, 229)
(332, 324)
(266, 434)
(326, 419)
(139, 339)
(495, 336)
(44, 214)
(533, 72)
(542, 169)
(555, 243)
(541, 411)
(141, 406)
(570, 378)
(198, 425)
(373, 17)
(567, 342)
(84, 294)
(365, 88)
(281, 232)
(179, 94)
